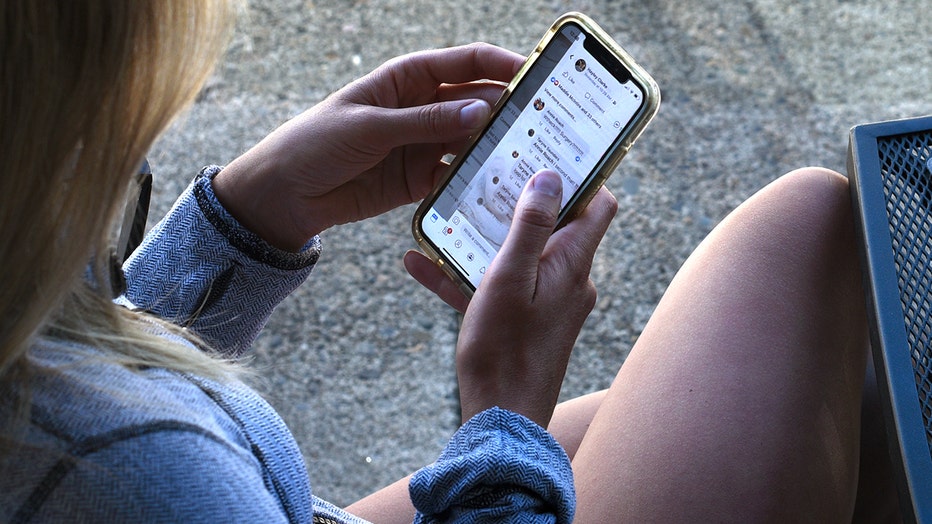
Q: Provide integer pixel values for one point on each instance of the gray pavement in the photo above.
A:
(359, 361)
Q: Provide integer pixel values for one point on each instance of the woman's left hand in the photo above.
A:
(374, 145)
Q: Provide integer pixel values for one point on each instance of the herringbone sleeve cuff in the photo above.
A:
(499, 467)
(200, 268)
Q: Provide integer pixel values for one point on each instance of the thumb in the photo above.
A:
(435, 123)
(535, 218)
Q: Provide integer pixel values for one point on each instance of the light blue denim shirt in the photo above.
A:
(108, 444)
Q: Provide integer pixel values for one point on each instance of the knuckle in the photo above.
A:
(481, 50)
(591, 294)
(432, 119)
(612, 204)
(579, 266)
(538, 213)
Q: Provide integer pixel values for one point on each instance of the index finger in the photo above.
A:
(454, 65)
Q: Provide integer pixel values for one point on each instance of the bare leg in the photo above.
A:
(389, 505)
(741, 399)
(571, 420)
(876, 497)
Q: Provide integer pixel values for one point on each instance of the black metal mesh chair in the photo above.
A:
(890, 169)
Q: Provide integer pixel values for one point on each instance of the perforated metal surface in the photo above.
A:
(890, 169)
(907, 186)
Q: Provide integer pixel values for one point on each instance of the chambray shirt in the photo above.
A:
(110, 444)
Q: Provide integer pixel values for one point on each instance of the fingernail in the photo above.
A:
(548, 183)
(475, 114)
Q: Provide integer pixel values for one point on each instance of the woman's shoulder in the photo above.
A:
(97, 427)
(78, 393)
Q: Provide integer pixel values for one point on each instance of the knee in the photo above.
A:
(820, 180)
(812, 205)
(813, 216)
(801, 222)
(813, 192)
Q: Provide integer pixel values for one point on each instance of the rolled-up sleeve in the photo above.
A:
(499, 466)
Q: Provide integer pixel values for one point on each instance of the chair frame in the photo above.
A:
(901, 383)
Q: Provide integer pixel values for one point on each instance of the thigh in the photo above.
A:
(571, 420)
(389, 505)
(740, 399)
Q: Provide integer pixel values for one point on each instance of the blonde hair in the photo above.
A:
(86, 86)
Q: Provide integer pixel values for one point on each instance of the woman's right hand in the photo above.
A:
(521, 324)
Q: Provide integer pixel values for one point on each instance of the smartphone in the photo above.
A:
(576, 106)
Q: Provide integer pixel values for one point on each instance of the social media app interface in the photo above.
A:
(565, 116)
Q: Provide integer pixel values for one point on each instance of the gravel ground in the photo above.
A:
(359, 359)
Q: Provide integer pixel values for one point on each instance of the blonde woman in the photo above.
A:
(740, 399)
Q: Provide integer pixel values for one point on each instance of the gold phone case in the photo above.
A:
(601, 172)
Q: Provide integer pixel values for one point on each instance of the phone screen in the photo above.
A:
(567, 114)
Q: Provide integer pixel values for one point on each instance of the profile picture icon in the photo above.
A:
(580, 65)
(538, 104)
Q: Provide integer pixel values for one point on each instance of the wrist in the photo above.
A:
(245, 191)
(239, 237)
(531, 397)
